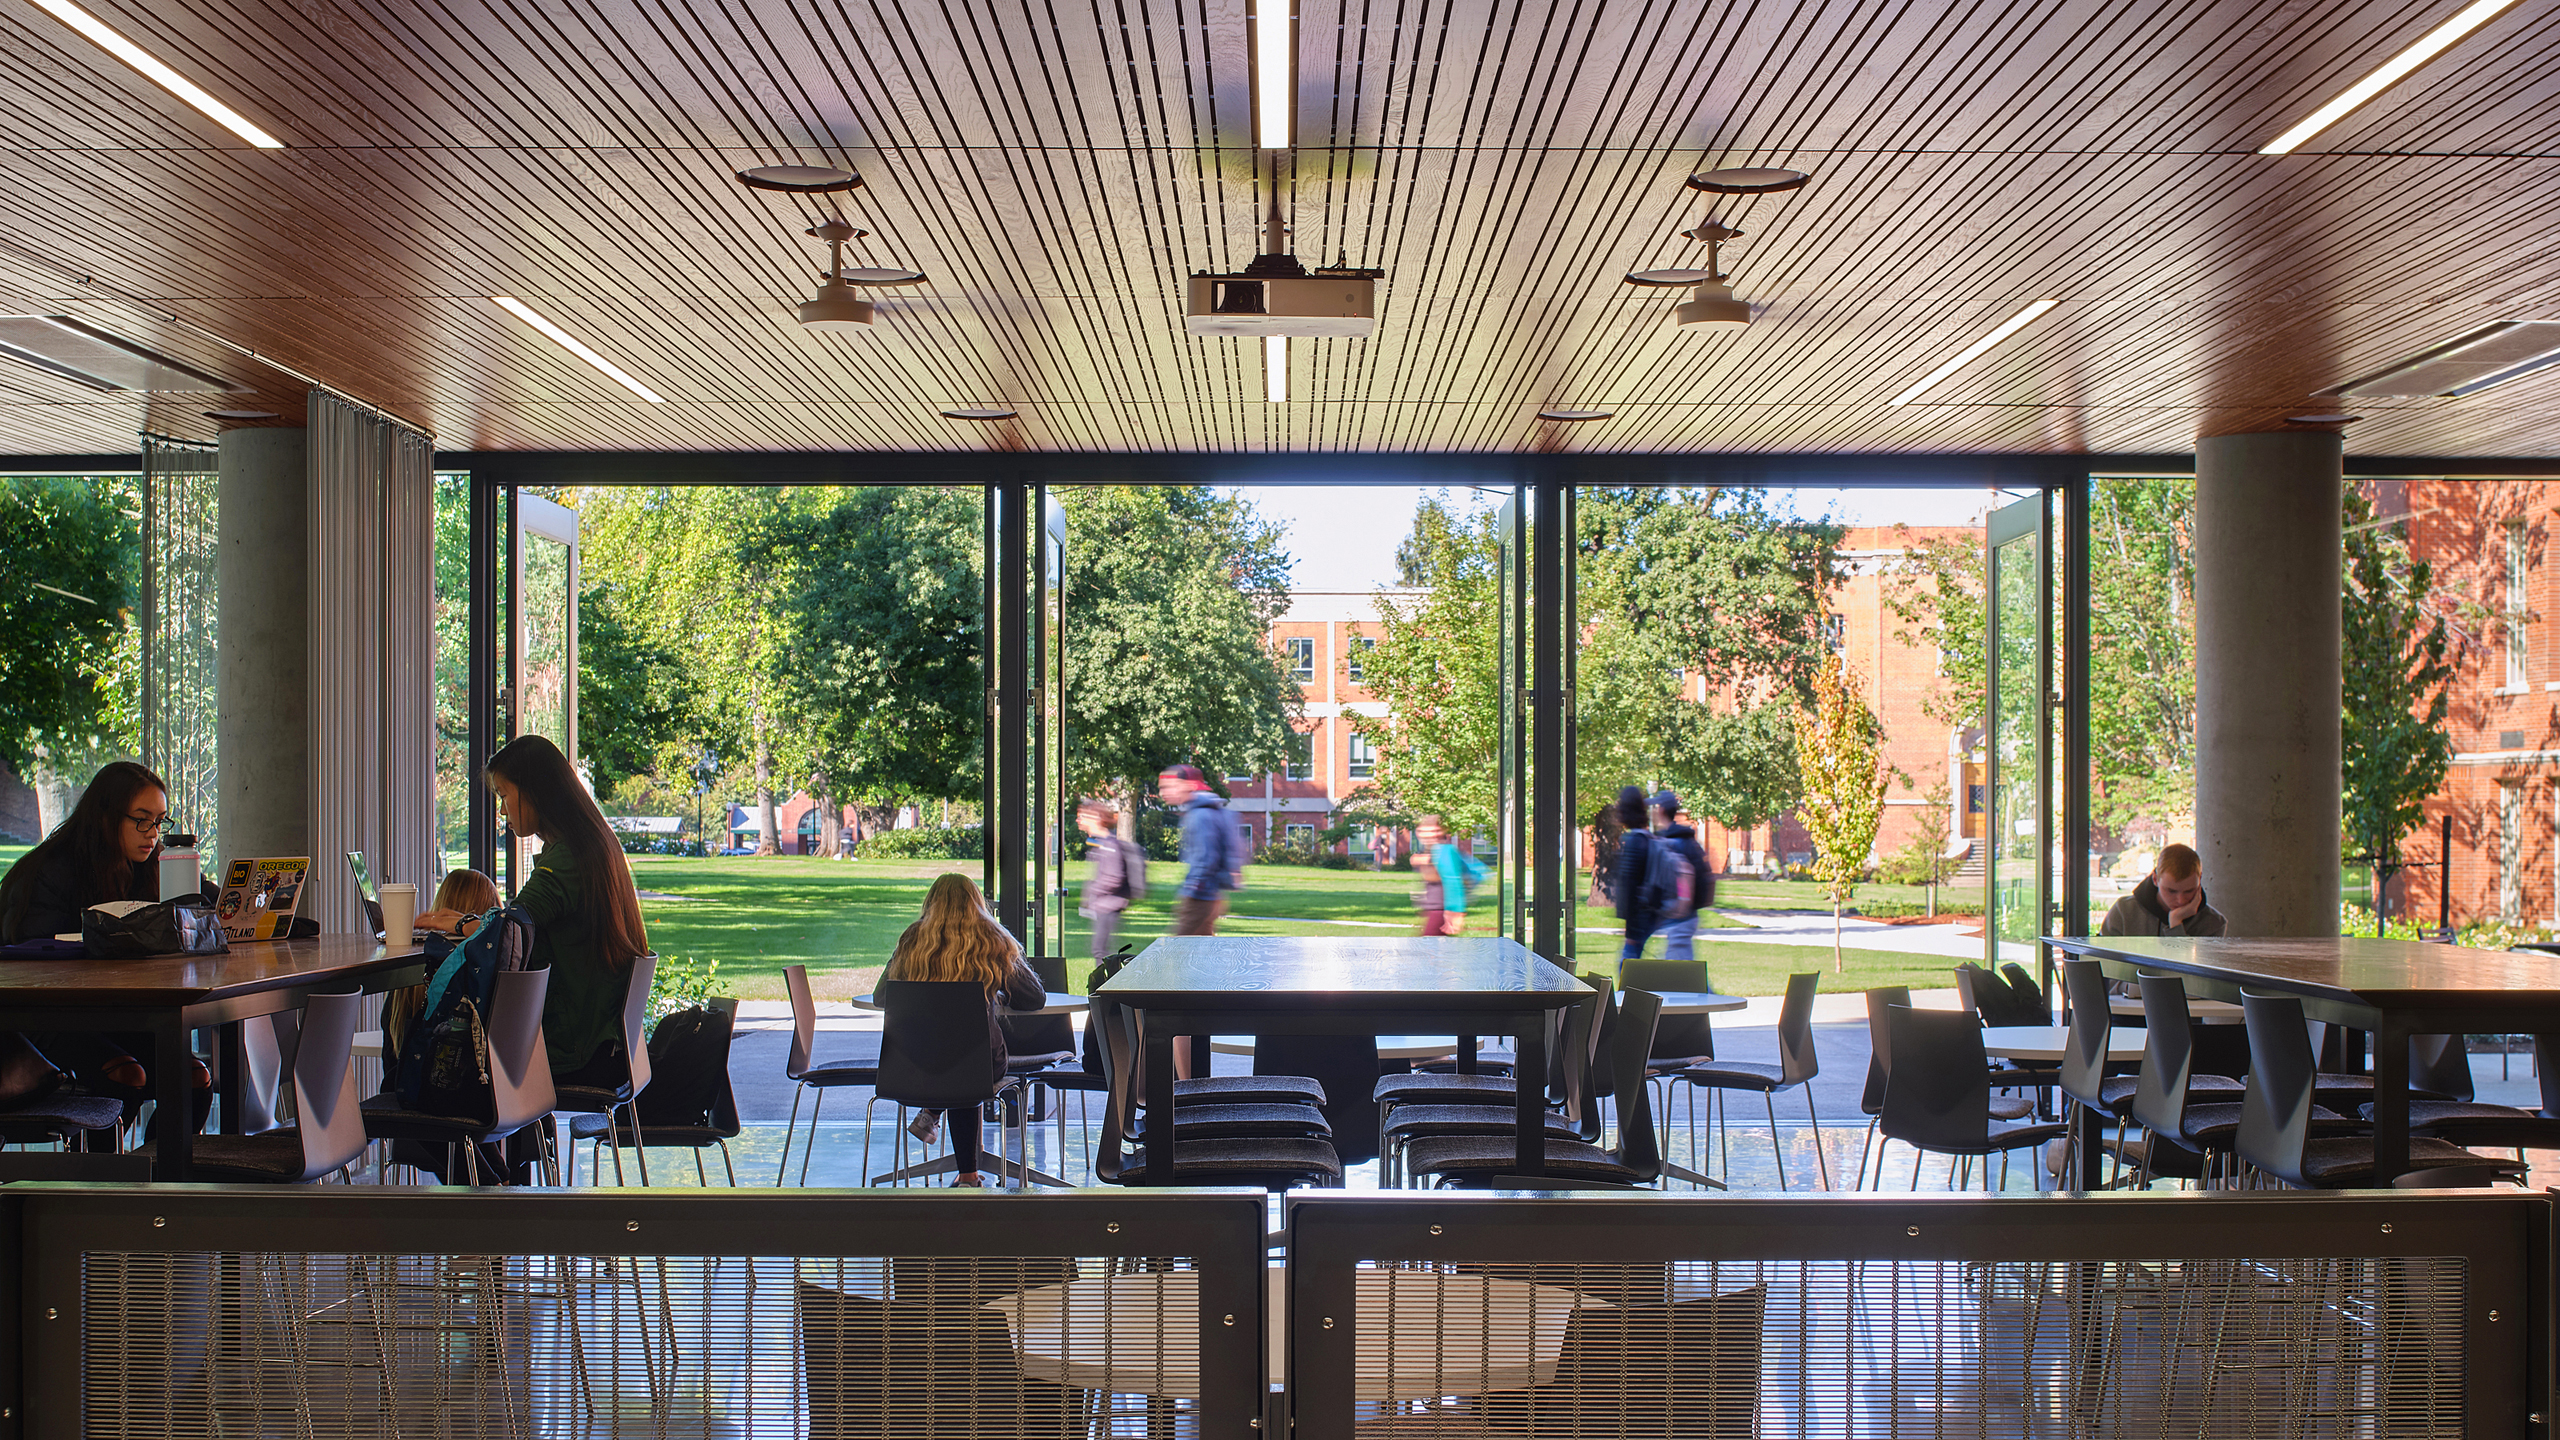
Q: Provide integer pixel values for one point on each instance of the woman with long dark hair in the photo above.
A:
(585, 910)
(108, 848)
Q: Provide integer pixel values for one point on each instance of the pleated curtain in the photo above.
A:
(372, 656)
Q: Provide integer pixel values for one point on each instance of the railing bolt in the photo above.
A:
(1328, 1322)
(1912, 1230)
(630, 1224)
(2493, 1317)
(1111, 1227)
(1435, 1230)
(2534, 1418)
(2386, 1227)
(159, 1221)
(53, 1314)
(1230, 1319)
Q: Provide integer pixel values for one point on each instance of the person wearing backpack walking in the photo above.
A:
(1627, 876)
(1119, 877)
(1451, 874)
(1677, 884)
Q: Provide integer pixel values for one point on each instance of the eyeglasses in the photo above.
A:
(152, 824)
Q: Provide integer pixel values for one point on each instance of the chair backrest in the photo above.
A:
(1042, 1034)
(1938, 1091)
(2275, 1113)
(1115, 1023)
(724, 1107)
(935, 1049)
(2084, 1050)
(1682, 1037)
(635, 1018)
(804, 1021)
(266, 1054)
(519, 1064)
(2168, 1056)
(1880, 1002)
(2546, 1070)
(1796, 1061)
(1998, 999)
(2441, 1065)
(328, 1114)
(1639, 1149)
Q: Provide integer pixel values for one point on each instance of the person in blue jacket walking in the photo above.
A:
(1452, 873)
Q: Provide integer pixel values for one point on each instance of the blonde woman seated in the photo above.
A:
(959, 939)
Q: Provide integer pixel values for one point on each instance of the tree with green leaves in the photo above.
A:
(2395, 681)
(68, 642)
(1169, 596)
(1840, 749)
(635, 701)
(1436, 665)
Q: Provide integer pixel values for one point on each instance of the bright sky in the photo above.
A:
(1344, 537)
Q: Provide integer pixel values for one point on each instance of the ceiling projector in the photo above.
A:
(1276, 300)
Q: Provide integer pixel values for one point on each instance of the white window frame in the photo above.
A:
(1357, 650)
(1363, 763)
(2516, 602)
(2511, 853)
(1295, 769)
(1301, 650)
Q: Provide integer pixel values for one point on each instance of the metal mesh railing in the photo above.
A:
(951, 1339)
(1465, 1321)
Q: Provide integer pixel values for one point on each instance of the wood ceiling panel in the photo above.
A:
(1057, 170)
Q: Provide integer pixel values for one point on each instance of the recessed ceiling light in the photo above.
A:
(2466, 365)
(1976, 350)
(1271, 84)
(100, 359)
(1575, 415)
(1749, 180)
(2320, 419)
(159, 74)
(240, 415)
(577, 347)
(1275, 369)
(991, 412)
(2470, 18)
(799, 179)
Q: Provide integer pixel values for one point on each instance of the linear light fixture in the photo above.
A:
(1271, 86)
(577, 347)
(1975, 351)
(1275, 369)
(167, 79)
(2471, 17)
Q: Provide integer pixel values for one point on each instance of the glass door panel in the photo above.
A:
(543, 652)
(1511, 811)
(1051, 809)
(2019, 879)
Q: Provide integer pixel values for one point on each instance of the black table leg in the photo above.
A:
(2088, 1148)
(173, 1088)
(1531, 1156)
(1466, 1054)
(1159, 1124)
(2390, 1101)
(231, 1076)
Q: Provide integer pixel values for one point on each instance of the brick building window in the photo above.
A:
(1361, 645)
(1300, 651)
(1302, 757)
(2517, 604)
(2511, 853)
(1364, 757)
(1835, 632)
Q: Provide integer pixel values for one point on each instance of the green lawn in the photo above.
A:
(1742, 894)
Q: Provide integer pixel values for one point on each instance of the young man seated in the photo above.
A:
(2168, 902)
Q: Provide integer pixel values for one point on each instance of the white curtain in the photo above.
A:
(372, 656)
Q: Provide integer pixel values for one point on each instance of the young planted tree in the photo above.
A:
(1839, 749)
(1437, 667)
(2393, 693)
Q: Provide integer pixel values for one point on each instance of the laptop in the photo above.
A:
(365, 892)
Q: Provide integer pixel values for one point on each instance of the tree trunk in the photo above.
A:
(55, 794)
(766, 843)
(1838, 966)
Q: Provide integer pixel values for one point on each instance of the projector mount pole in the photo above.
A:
(835, 232)
(1275, 259)
(1715, 232)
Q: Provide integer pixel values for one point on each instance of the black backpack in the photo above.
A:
(688, 1066)
(1670, 881)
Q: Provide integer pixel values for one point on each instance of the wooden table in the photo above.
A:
(2392, 988)
(1140, 1334)
(169, 995)
(1363, 986)
(2046, 1043)
(2199, 1011)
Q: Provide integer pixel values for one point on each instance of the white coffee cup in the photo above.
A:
(399, 915)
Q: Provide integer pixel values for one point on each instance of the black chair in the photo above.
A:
(1481, 1161)
(1272, 1162)
(1043, 1050)
(1682, 1040)
(1937, 1094)
(1796, 1067)
(2275, 1132)
(1880, 1005)
(2468, 1123)
(622, 1096)
(936, 1054)
(1580, 1119)
(2083, 1076)
(1343, 1065)
(680, 1111)
(2180, 1139)
(802, 1068)
(62, 1115)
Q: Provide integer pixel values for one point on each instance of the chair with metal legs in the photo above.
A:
(520, 1093)
(619, 1103)
(936, 1054)
(328, 1129)
(2276, 1133)
(1937, 1095)
(1796, 1067)
(714, 1125)
(801, 1067)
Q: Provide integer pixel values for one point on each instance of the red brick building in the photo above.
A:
(2490, 544)
(1320, 636)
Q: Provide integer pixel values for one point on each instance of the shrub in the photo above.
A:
(925, 842)
(1286, 853)
(679, 985)
(1896, 909)
(661, 845)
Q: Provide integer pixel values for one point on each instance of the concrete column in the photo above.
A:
(2267, 666)
(262, 667)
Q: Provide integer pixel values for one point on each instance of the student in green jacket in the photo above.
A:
(585, 910)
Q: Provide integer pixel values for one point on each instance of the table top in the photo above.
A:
(2383, 974)
(1390, 1047)
(1457, 1334)
(159, 981)
(1699, 1002)
(1281, 972)
(2199, 1009)
(1058, 1005)
(2047, 1042)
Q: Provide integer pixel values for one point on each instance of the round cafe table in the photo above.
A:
(1699, 1002)
(1058, 1005)
(1446, 1334)
(2046, 1043)
(2199, 1009)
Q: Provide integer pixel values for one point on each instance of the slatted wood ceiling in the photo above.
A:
(1057, 168)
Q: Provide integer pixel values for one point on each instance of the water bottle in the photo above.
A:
(181, 868)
